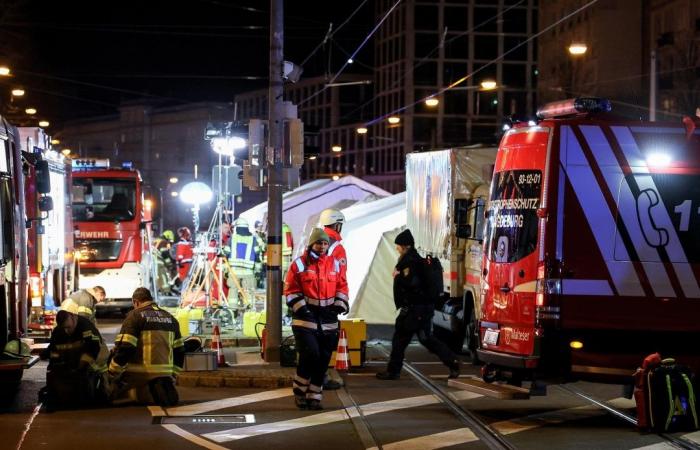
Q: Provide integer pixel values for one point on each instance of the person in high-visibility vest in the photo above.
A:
(261, 260)
(287, 248)
(84, 302)
(243, 256)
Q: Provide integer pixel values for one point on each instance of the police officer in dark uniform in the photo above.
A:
(417, 310)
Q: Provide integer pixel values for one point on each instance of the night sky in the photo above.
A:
(81, 59)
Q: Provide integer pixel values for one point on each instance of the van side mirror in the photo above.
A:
(43, 180)
(45, 204)
(142, 225)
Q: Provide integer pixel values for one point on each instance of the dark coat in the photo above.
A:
(409, 281)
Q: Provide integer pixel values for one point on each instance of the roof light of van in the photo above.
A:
(659, 160)
(127, 165)
(506, 127)
(574, 106)
(531, 123)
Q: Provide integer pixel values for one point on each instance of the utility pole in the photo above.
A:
(274, 184)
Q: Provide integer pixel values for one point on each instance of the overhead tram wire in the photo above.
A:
(447, 42)
(362, 44)
(488, 64)
(329, 34)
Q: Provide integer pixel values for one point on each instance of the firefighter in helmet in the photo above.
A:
(316, 291)
(148, 354)
(332, 221)
(244, 253)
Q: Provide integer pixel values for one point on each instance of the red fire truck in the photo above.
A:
(112, 223)
(13, 255)
(591, 248)
(53, 269)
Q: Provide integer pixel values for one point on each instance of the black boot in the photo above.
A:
(313, 404)
(300, 401)
(454, 369)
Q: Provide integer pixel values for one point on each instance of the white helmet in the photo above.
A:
(241, 222)
(330, 216)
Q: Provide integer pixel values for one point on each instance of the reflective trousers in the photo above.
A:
(417, 319)
(315, 350)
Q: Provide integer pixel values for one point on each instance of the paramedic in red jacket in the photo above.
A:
(316, 291)
(183, 253)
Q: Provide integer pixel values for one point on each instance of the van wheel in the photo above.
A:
(472, 337)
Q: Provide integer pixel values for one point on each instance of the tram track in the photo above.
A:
(673, 440)
(486, 434)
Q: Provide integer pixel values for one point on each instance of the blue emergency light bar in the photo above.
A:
(89, 164)
(127, 165)
(574, 106)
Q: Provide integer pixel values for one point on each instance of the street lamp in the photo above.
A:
(196, 193)
(394, 120)
(18, 92)
(226, 146)
(337, 148)
(361, 130)
(4, 70)
(44, 123)
(488, 85)
(30, 111)
(173, 180)
(65, 151)
(578, 48)
(431, 102)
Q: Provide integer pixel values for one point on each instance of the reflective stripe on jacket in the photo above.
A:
(81, 302)
(336, 249)
(317, 284)
(84, 347)
(149, 344)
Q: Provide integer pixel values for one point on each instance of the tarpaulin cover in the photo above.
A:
(314, 197)
(433, 181)
(374, 300)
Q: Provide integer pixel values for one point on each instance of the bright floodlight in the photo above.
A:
(659, 160)
(66, 151)
(196, 193)
(226, 146)
(174, 194)
(578, 48)
(336, 178)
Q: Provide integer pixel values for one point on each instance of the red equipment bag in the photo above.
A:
(641, 393)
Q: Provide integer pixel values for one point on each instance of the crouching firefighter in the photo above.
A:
(77, 362)
(148, 354)
(316, 290)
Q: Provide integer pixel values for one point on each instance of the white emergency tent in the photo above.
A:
(374, 300)
(365, 225)
(314, 197)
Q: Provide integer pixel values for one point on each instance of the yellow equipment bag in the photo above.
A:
(356, 330)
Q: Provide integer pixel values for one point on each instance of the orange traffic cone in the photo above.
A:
(342, 359)
(217, 347)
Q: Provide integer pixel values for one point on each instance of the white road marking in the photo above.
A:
(433, 441)
(28, 425)
(463, 395)
(193, 438)
(320, 419)
(198, 408)
(659, 446)
(157, 411)
(693, 437)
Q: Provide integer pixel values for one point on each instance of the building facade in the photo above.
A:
(163, 143)
(615, 63)
(674, 33)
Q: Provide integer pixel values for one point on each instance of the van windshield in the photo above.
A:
(511, 226)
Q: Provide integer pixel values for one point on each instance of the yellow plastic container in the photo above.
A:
(356, 330)
(184, 315)
(250, 319)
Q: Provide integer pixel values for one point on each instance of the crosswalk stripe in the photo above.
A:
(320, 419)
(433, 441)
(693, 437)
(198, 408)
(192, 437)
(658, 446)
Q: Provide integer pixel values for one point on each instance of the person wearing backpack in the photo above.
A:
(416, 305)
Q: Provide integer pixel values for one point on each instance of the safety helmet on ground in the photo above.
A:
(169, 235)
(17, 349)
(241, 222)
(329, 216)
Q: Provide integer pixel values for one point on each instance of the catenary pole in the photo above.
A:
(274, 189)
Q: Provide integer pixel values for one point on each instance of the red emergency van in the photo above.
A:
(592, 246)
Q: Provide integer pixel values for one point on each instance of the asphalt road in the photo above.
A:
(368, 413)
